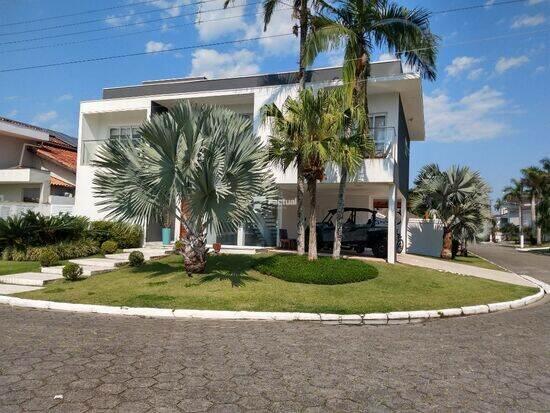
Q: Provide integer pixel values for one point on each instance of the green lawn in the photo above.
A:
(232, 284)
(476, 261)
(12, 267)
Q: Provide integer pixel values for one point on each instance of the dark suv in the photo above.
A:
(362, 229)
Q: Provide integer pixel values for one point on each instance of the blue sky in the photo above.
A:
(488, 108)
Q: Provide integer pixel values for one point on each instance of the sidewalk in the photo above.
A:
(463, 269)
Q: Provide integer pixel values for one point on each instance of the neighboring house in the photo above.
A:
(509, 214)
(37, 169)
(397, 118)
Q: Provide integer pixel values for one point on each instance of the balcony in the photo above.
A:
(23, 175)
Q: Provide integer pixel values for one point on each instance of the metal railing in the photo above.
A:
(384, 139)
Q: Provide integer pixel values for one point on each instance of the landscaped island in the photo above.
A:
(232, 282)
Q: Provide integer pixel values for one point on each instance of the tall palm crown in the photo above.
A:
(204, 155)
(362, 25)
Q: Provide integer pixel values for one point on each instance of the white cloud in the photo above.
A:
(151, 46)
(386, 56)
(213, 23)
(507, 63)
(214, 64)
(281, 25)
(45, 116)
(489, 3)
(528, 21)
(540, 69)
(476, 73)
(121, 20)
(171, 8)
(533, 2)
(470, 118)
(12, 113)
(65, 97)
(461, 64)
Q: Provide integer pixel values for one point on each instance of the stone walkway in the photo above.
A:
(29, 281)
(463, 269)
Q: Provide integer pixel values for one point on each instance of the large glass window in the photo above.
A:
(89, 148)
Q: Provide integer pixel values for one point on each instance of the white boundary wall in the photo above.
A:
(424, 237)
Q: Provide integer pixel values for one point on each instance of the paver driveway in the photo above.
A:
(493, 362)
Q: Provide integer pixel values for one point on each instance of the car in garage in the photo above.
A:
(362, 228)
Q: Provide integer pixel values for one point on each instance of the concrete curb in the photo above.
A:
(396, 317)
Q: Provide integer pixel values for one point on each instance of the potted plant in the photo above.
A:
(166, 227)
(217, 247)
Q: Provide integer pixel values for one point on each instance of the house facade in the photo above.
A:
(37, 169)
(397, 119)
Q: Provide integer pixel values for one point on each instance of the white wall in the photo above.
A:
(11, 150)
(424, 237)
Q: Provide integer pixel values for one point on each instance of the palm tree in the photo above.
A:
(514, 194)
(362, 25)
(458, 197)
(300, 11)
(534, 178)
(205, 155)
(544, 206)
(347, 152)
(303, 131)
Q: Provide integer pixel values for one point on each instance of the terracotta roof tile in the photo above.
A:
(58, 182)
(59, 155)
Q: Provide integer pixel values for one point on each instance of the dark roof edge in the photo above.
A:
(69, 140)
(244, 82)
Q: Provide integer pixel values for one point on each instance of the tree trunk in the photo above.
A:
(300, 228)
(337, 244)
(312, 189)
(446, 250)
(303, 38)
(534, 232)
(194, 254)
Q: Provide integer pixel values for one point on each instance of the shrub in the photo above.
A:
(20, 255)
(126, 235)
(325, 270)
(65, 250)
(136, 258)
(109, 247)
(6, 253)
(48, 257)
(72, 271)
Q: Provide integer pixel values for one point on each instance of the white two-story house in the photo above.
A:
(397, 118)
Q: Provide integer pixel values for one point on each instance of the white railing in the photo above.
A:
(13, 209)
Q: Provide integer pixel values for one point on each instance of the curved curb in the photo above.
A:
(396, 317)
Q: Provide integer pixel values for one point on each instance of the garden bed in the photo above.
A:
(231, 283)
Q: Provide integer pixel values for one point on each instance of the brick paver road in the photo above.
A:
(495, 362)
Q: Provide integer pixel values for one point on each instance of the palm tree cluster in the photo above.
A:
(458, 197)
(534, 187)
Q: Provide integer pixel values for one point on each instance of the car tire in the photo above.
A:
(400, 245)
(359, 249)
(380, 249)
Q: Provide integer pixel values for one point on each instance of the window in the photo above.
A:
(124, 132)
(31, 195)
(379, 133)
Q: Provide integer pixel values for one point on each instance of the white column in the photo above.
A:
(404, 218)
(240, 236)
(392, 195)
(45, 193)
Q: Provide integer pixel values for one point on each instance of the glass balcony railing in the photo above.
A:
(384, 138)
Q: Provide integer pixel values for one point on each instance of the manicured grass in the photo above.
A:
(12, 267)
(476, 261)
(232, 284)
(325, 270)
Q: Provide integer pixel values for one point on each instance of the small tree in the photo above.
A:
(458, 197)
(514, 194)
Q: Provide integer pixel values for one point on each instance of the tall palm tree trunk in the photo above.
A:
(446, 250)
(300, 186)
(301, 227)
(337, 245)
(520, 213)
(312, 189)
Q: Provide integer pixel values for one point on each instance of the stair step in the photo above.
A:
(37, 279)
(151, 252)
(6, 289)
(126, 255)
(87, 270)
(99, 262)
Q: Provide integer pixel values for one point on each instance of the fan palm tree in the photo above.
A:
(302, 131)
(534, 178)
(544, 205)
(514, 194)
(458, 197)
(360, 26)
(205, 155)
